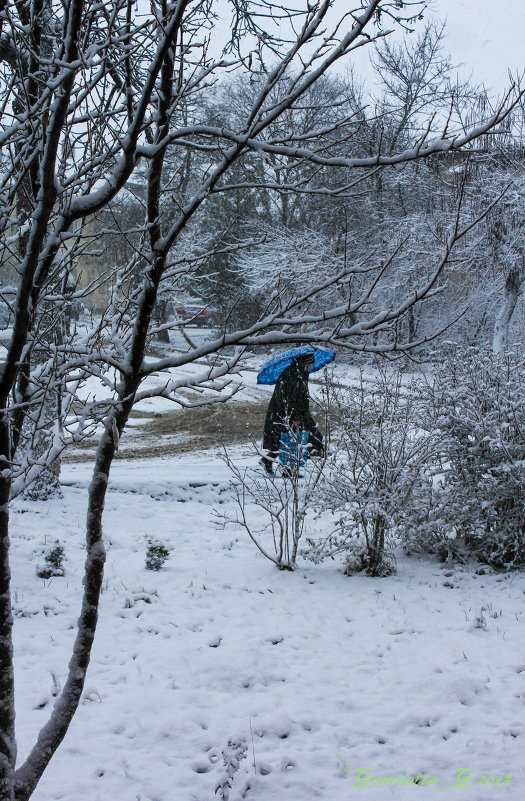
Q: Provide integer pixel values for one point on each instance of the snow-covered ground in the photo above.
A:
(322, 675)
(242, 390)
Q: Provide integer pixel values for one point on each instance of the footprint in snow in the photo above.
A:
(201, 767)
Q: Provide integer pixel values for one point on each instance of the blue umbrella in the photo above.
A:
(272, 369)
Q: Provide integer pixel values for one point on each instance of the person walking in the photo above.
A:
(289, 410)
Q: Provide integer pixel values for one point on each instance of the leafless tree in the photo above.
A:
(90, 93)
(273, 508)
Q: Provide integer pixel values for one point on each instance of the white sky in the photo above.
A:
(486, 36)
(483, 37)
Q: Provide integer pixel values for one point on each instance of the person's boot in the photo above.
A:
(268, 466)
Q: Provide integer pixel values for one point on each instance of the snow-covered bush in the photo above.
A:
(478, 403)
(377, 483)
(156, 554)
(53, 562)
(42, 482)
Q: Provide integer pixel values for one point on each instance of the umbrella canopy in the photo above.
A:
(272, 369)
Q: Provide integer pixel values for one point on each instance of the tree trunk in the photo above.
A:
(162, 318)
(7, 701)
(378, 546)
(513, 285)
(52, 734)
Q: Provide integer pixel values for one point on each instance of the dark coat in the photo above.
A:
(290, 403)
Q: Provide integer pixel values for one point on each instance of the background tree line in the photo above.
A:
(282, 218)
